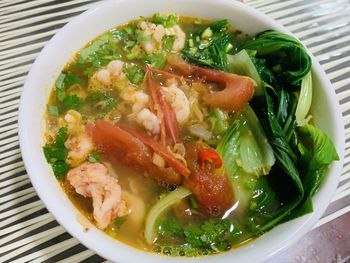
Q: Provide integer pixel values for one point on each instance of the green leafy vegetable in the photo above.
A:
(317, 152)
(228, 147)
(56, 153)
(219, 120)
(256, 154)
(305, 99)
(242, 64)
(158, 208)
(134, 72)
(245, 145)
(208, 46)
(283, 53)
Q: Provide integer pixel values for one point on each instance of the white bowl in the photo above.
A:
(109, 14)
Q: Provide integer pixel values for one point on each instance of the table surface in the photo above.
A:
(28, 232)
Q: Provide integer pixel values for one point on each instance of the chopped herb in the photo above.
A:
(134, 73)
(103, 102)
(56, 153)
(144, 38)
(119, 221)
(168, 42)
(72, 79)
(130, 30)
(60, 90)
(95, 46)
(52, 110)
(213, 235)
(155, 60)
(134, 53)
(209, 45)
(193, 202)
(94, 157)
(166, 21)
(198, 21)
(71, 102)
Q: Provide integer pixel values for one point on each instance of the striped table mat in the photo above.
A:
(27, 231)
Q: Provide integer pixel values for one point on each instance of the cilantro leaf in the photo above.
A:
(56, 153)
(71, 102)
(212, 235)
(133, 72)
(156, 60)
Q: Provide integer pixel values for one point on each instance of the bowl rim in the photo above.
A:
(304, 225)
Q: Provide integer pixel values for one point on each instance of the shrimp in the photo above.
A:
(138, 99)
(148, 120)
(180, 38)
(178, 101)
(79, 148)
(157, 33)
(93, 180)
(106, 76)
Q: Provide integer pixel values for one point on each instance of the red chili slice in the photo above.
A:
(209, 155)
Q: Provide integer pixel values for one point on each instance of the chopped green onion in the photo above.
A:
(207, 33)
(52, 110)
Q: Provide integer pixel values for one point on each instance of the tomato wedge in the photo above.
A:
(159, 149)
(122, 147)
(211, 187)
(237, 90)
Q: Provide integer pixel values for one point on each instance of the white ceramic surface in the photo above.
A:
(74, 36)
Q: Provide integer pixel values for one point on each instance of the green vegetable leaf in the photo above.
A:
(219, 120)
(134, 73)
(305, 99)
(317, 152)
(228, 147)
(208, 46)
(241, 64)
(256, 154)
(283, 53)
